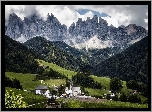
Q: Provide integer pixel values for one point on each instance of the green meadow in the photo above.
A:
(27, 80)
(56, 82)
(58, 68)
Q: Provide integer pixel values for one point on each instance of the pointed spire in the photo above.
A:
(52, 15)
(13, 14)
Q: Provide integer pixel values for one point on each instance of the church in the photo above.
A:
(73, 91)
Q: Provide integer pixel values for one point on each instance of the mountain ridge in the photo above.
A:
(78, 33)
(52, 52)
(18, 58)
(131, 64)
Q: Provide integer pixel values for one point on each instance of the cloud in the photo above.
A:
(120, 14)
(125, 15)
(63, 14)
(14, 8)
(20, 10)
(139, 14)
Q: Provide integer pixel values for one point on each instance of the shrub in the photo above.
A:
(14, 83)
(123, 97)
(71, 104)
(14, 101)
(30, 98)
(134, 98)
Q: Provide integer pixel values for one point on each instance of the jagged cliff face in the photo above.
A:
(107, 36)
(35, 26)
(82, 34)
(15, 26)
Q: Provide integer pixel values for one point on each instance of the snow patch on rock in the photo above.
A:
(21, 39)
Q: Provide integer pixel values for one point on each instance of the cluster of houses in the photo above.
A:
(69, 92)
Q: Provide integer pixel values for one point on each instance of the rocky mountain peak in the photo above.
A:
(78, 33)
(34, 26)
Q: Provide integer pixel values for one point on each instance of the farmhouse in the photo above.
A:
(42, 90)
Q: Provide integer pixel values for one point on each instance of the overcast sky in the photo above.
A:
(67, 14)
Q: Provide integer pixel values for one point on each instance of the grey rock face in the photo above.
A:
(35, 26)
(15, 26)
(78, 33)
(121, 36)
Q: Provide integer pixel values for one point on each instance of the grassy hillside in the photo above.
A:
(96, 92)
(50, 52)
(26, 80)
(58, 68)
(103, 81)
(106, 83)
(56, 82)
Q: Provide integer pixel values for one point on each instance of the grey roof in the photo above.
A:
(42, 87)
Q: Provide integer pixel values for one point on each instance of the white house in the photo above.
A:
(41, 81)
(112, 95)
(42, 90)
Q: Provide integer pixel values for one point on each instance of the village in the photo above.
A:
(70, 92)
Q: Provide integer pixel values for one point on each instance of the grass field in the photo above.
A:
(103, 81)
(28, 83)
(106, 83)
(26, 80)
(58, 68)
(96, 92)
(56, 82)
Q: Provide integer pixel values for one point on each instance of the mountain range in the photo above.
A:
(91, 33)
(86, 45)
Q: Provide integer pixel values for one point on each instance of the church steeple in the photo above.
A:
(71, 84)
